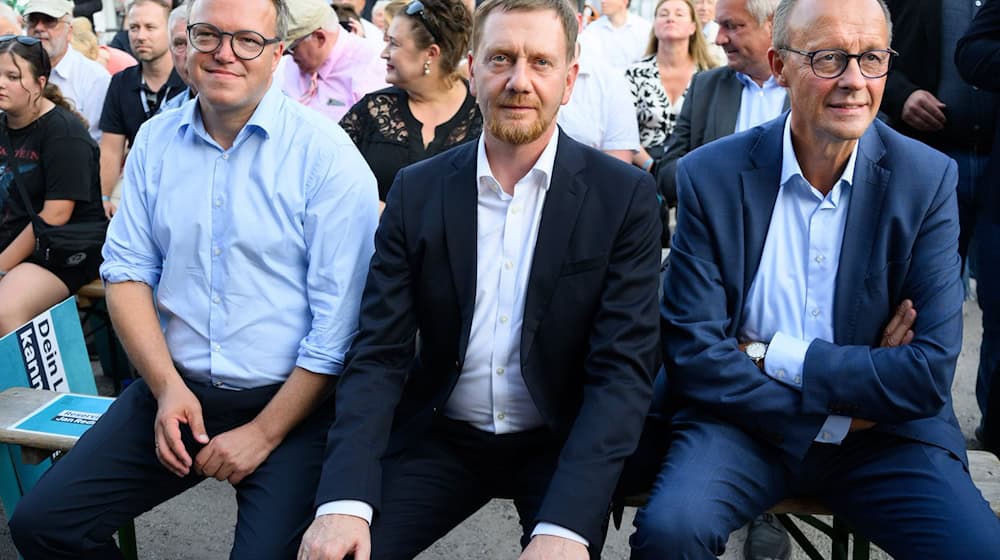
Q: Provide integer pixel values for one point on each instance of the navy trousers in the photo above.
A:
(112, 475)
(912, 499)
(454, 470)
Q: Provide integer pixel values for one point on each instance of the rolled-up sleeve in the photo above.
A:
(340, 220)
(130, 252)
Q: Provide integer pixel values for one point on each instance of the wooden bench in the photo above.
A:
(983, 465)
(91, 303)
(18, 402)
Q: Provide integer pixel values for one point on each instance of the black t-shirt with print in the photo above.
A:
(58, 160)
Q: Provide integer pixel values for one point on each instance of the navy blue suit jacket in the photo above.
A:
(900, 242)
(588, 341)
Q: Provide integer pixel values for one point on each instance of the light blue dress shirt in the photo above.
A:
(790, 302)
(259, 253)
(176, 101)
(758, 104)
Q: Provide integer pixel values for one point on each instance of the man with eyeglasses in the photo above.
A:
(795, 243)
(138, 92)
(254, 222)
(177, 26)
(329, 69)
(81, 80)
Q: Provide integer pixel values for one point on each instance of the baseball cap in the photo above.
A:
(306, 16)
(51, 8)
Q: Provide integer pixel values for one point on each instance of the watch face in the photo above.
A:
(756, 350)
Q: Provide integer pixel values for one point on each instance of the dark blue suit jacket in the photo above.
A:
(900, 242)
(588, 341)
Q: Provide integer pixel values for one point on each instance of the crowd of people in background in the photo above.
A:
(396, 79)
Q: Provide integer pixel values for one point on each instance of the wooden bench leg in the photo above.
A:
(126, 541)
(840, 538)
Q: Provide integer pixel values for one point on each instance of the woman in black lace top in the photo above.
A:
(429, 108)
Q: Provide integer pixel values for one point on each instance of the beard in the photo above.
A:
(516, 132)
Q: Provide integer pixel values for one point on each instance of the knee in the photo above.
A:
(30, 529)
(677, 531)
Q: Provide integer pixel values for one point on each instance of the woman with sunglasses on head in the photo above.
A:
(57, 166)
(429, 108)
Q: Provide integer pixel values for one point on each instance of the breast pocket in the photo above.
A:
(580, 266)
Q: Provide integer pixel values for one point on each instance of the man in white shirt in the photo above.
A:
(83, 81)
(622, 36)
(601, 111)
(528, 263)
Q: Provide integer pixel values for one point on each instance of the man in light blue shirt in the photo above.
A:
(253, 218)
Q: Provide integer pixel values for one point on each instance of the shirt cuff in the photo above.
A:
(785, 358)
(553, 530)
(357, 508)
(834, 430)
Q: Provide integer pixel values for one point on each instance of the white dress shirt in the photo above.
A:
(490, 393)
(601, 111)
(621, 46)
(85, 83)
(790, 301)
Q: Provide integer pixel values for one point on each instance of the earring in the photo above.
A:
(427, 67)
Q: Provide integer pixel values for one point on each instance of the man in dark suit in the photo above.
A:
(730, 99)
(795, 243)
(528, 264)
(978, 59)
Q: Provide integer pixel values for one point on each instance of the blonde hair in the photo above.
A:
(697, 45)
(83, 38)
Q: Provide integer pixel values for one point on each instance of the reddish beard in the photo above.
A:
(515, 131)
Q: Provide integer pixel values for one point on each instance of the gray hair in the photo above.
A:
(762, 10)
(779, 31)
(177, 14)
(281, 11)
(9, 14)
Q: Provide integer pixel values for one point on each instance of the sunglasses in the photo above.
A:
(29, 42)
(417, 8)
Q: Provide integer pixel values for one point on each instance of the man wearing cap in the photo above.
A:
(81, 80)
(332, 70)
(255, 224)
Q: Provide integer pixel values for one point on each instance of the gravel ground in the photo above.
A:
(198, 525)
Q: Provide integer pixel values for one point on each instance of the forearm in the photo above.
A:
(138, 327)
(112, 152)
(297, 398)
(18, 250)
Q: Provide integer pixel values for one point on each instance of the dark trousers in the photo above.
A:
(449, 474)
(912, 499)
(112, 475)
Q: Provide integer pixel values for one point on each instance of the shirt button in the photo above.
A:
(976, 127)
(516, 209)
(815, 312)
(508, 265)
(979, 3)
(798, 380)
(820, 258)
(501, 416)
(500, 371)
(217, 348)
(215, 299)
(217, 251)
(218, 202)
(225, 156)
(217, 384)
(503, 319)
(780, 373)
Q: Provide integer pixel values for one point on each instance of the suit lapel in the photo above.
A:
(562, 206)
(728, 103)
(867, 197)
(760, 191)
(459, 200)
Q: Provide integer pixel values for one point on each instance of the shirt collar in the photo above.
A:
(264, 118)
(542, 168)
(747, 81)
(790, 164)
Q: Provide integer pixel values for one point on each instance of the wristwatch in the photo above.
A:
(756, 351)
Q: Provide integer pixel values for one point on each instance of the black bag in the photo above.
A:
(65, 246)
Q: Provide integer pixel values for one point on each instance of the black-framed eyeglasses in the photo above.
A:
(30, 42)
(247, 45)
(417, 8)
(831, 63)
